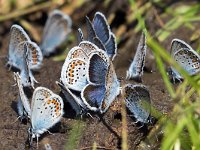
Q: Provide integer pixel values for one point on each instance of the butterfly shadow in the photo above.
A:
(119, 139)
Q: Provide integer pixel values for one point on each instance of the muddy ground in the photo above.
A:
(106, 133)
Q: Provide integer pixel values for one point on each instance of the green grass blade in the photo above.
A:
(75, 135)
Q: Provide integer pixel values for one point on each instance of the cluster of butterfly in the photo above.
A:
(46, 108)
(88, 79)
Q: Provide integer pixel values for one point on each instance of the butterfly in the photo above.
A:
(56, 30)
(138, 102)
(19, 38)
(186, 57)
(46, 111)
(74, 74)
(103, 86)
(135, 70)
(24, 54)
(23, 105)
(99, 33)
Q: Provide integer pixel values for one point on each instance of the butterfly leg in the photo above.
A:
(16, 120)
(88, 114)
(32, 79)
(142, 125)
(50, 132)
(14, 84)
(30, 136)
(37, 140)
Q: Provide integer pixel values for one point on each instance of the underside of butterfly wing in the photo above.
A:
(135, 70)
(138, 101)
(73, 74)
(46, 110)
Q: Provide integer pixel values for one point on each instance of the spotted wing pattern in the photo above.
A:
(138, 101)
(46, 110)
(186, 57)
(74, 74)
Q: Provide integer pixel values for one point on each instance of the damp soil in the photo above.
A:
(106, 132)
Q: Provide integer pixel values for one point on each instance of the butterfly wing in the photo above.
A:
(34, 55)
(46, 110)
(97, 69)
(98, 43)
(135, 70)
(90, 30)
(111, 46)
(25, 71)
(178, 44)
(112, 88)
(92, 96)
(23, 102)
(101, 27)
(73, 74)
(56, 30)
(17, 37)
(88, 47)
(189, 60)
(77, 52)
(137, 100)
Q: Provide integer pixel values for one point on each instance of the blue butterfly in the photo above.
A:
(24, 55)
(135, 70)
(56, 30)
(75, 76)
(138, 102)
(186, 57)
(18, 40)
(46, 111)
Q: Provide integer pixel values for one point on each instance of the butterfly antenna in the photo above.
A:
(16, 120)
(14, 84)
